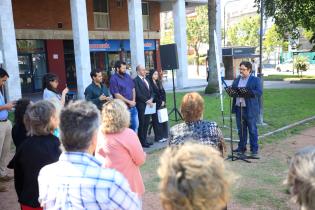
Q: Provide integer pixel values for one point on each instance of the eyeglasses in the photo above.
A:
(243, 69)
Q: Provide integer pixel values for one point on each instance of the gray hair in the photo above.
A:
(37, 118)
(78, 123)
(301, 178)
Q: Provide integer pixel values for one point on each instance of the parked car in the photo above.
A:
(286, 66)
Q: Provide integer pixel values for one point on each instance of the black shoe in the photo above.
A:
(254, 155)
(150, 143)
(145, 145)
(238, 150)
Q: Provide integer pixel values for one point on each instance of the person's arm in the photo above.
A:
(18, 174)
(135, 149)
(63, 96)
(113, 88)
(7, 106)
(90, 96)
(139, 92)
(257, 90)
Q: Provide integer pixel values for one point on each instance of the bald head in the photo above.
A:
(141, 70)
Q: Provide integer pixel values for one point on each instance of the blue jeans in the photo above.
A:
(134, 121)
(249, 126)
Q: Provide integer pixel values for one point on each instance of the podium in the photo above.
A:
(234, 92)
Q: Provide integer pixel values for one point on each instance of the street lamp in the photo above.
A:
(226, 3)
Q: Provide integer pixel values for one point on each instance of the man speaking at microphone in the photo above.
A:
(247, 109)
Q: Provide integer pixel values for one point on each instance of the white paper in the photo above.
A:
(149, 109)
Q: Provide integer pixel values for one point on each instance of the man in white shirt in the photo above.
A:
(77, 180)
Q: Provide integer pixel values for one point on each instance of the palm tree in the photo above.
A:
(213, 84)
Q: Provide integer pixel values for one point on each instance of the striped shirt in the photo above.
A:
(77, 181)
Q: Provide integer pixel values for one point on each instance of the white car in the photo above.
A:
(285, 66)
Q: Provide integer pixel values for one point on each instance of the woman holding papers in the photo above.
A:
(160, 129)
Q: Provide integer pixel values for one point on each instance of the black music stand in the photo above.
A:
(234, 92)
(175, 110)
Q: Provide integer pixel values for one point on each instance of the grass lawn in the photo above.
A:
(281, 77)
(281, 107)
(260, 185)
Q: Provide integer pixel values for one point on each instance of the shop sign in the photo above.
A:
(104, 45)
(30, 46)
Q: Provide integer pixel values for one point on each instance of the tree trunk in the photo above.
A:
(197, 59)
(213, 85)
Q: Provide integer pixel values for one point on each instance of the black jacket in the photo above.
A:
(158, 95)
(143, 94)
(35, 153)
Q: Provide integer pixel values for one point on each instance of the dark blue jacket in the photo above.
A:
(252, 104)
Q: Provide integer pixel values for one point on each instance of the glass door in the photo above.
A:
(26, 73)
(39, 70)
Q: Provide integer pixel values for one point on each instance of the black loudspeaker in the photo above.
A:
(168, 55)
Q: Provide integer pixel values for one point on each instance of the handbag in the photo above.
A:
(162, 115)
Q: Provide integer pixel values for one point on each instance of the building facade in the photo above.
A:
(72, 37)
(45, 41)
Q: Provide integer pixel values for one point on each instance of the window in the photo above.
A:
(101, 15)
(145, 16)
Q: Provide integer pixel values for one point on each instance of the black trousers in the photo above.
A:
(144, 121)
(160, 129)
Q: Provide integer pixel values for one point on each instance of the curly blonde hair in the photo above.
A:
(193, 177)
(115, 116)
(192, 107)
(301, 178)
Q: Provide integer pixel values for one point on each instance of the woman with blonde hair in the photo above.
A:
(195, 128)
(301, 178)
(39, 149)
(193, 177)
(118, 146)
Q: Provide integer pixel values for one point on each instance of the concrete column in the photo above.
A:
(136, 34)
(179, 16)
(218, 28)
(81, 45)
(9, 50)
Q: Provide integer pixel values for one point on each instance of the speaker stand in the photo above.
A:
(175, 110)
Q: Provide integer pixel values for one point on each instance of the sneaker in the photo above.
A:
(6, 178)
(3, 189)
(162, 140)
(254, 155)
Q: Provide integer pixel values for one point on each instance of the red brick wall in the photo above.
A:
(154, 8)
(56, 66)
(45, 14)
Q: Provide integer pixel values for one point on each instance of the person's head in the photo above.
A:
(245, 69)
(40, 118)
(3, 77)
(51, 82)
(96, 76)
(141, 71)
(154, 75)
(79, 122)
(192, 107)
(120, 67)
(301, 178)
(193, 176)
(20, 109)
(115, 116)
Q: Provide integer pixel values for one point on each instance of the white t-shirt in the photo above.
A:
(48, 94)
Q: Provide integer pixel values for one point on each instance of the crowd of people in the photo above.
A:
(87, 154)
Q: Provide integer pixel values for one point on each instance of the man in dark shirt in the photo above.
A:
(122, 87)
(96, 92)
